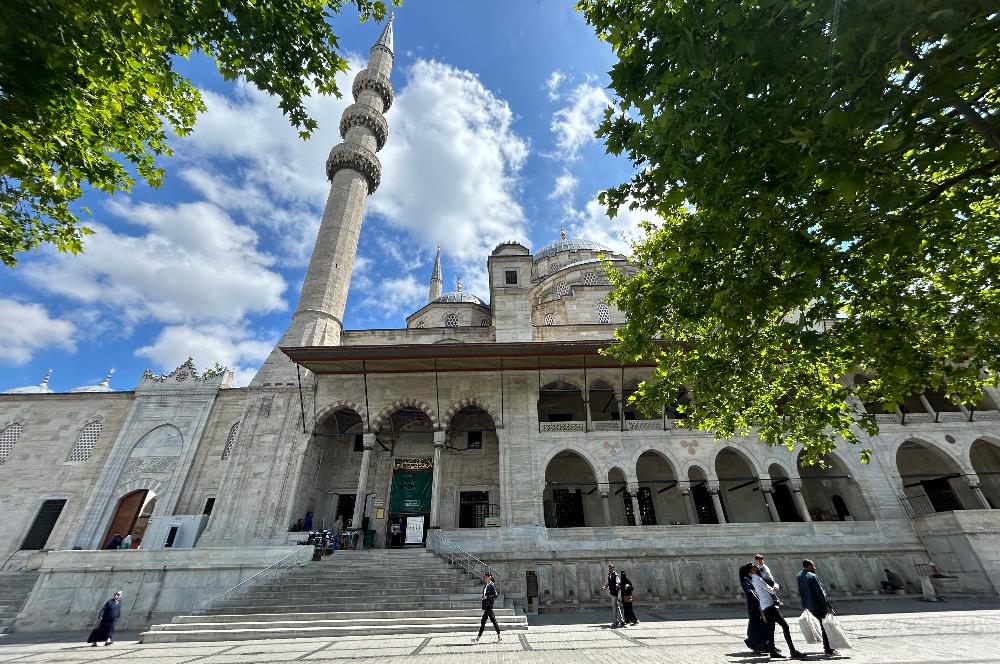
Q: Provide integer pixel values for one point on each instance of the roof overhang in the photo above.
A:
(419, 358)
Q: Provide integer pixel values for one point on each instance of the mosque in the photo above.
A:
(491, 423)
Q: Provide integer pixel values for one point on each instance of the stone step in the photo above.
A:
(455, 621)
(158, 636)
(439, 614)
(388, 593)
(320, 607)
(323, 584)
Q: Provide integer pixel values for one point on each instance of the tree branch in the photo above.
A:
(981, 169)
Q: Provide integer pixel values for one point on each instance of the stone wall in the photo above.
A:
(965, 544)
(157, 584)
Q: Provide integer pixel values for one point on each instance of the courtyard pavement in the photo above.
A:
(913, 633)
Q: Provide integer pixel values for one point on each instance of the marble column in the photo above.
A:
(605, 504)
(368, 440)
(767, 491)
(692, 513)
(633, 494)
(621, 410)
(800, 502)
(439, 438)
(717, 502)
(977, 491)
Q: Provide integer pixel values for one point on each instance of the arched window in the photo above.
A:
(562, 289)
(234, 432)
(85, 442)
(420, 323)
(550, 319)
(603, 315)
(590, 279)
(451, 320)
(485, 322)
(7, 440)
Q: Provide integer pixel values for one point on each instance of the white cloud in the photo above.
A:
(565, 186)
(552, 84)
(229, 345)
(25, 328)
(193, 263)
(593, 223)
(397, 295)
(574, 125)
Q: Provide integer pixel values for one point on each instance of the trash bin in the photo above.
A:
(369, 539)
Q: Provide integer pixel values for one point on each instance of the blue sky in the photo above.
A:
(491, 139)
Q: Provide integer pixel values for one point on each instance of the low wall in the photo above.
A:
(965, 543)
(157, 584)
(694, 563)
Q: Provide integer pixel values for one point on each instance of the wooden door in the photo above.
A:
(125, 515)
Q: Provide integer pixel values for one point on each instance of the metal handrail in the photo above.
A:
(456, 555)
(279, 565)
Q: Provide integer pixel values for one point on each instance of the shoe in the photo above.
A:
(94, 644)
(634, 623)
(108, 642)
(475, 640)
(798, 655)
(777, 655)
(832, 653)
(499, 638)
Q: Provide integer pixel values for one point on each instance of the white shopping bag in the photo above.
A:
(810, 628)
(835, 634)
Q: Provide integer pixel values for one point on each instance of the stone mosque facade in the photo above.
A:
(492, 423)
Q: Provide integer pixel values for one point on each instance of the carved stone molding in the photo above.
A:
(150, 464)
(358, 159)
(564, 426)
(368, 79)
(364, 116)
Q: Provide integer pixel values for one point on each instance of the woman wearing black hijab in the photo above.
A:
(627, 589)
(758, 635)
(105, 629)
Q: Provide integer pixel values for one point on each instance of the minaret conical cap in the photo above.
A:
(385, 39)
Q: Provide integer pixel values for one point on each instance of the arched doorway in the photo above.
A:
(470, 472)
(405, 473)
(781, 494)
(739, 489)
(931, 480)
(985, 457)
(560, 402)
(830, 492)
(660, 498)
(571, 498)
(619, 499)
(704, 506)
(131, 517)
(330, 470)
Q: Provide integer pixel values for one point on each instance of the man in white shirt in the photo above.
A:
(765, 573)
(772, 616)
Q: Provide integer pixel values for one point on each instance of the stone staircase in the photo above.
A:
(14, 590)
(351, 593)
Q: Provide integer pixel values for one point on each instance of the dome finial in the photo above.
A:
(45, 381)
(458, 284)
(562, 232)
(107, 379)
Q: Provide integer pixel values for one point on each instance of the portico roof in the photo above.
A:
(418, 358)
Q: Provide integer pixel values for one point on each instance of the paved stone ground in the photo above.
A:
(915, 633)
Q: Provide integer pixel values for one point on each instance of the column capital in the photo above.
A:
(368, 440)
(439, 438)
(765, 484)
(633, 487)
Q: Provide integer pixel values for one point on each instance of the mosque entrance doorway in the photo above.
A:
(130, 517)
(410, 501)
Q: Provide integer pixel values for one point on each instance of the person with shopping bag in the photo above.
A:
(815, 600)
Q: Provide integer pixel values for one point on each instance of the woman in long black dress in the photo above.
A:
(758, 636)
(105, 630)
(627, 590)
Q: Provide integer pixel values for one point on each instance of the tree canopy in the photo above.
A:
(823, 181)
(88, 91)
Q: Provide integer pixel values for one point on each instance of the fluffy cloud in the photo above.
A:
(394, 295)
(192, 263)
(25, 328)
(574, 124)
(593, 223)
(552, 84)
(230, 345)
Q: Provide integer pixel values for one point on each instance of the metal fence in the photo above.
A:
(459, 557)
(941, 501)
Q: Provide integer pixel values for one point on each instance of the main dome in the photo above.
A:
(459, 296)
(560, 246)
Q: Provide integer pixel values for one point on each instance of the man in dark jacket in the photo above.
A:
(613, 585)
(814, 599)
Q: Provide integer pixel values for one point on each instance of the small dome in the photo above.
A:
(41, 388)
(561, 246)
(103, 386)
(459, 296)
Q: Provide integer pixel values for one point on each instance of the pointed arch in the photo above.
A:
(342, 404)
(86, 439)
(471, 401)
(575, 449)
(404, 403)
(231, 438)
(8, 438)
(740, 451)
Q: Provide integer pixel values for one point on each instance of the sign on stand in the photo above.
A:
(414, 530)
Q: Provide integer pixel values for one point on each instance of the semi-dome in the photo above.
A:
(41, 388)
(103, 386)
(563, 245)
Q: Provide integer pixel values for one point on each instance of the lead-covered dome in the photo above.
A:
(41, 388)
(459, 296)
(561, 246)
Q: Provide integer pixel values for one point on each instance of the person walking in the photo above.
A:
(815, 600)
(113, 542)
(757, 630)
(765, 573)
(613, 586)
(105, 630)
(629, 611)
(489, 596)
(338, 531)
(773, 617)
(307, 523)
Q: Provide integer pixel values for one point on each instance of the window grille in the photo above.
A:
(451, 320)
(7, 440)
(590, 279)
(234, 432)
(603, 315)
(562, 289)
(550, 319)
(485, 322)
(85, 442)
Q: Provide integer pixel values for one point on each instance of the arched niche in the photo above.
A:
(985, 458)
(660, 499)
(571, 498)
(739, 488)
(603, 401)
(822, 483)
(470, 469)
(931, 479)
(703, 504)
(561, 401)
(622, 513)
(781, 492)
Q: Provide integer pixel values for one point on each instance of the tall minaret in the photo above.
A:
(435, 289)
(354, 173)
